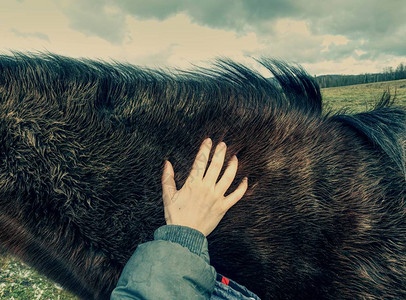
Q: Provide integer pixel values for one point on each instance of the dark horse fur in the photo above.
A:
(82, 148)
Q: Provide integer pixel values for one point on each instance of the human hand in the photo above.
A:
(200, 203)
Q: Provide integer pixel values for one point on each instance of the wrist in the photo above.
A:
(187, 237)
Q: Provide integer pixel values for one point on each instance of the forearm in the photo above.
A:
(173, 266)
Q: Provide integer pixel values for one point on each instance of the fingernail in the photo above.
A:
(208, 141)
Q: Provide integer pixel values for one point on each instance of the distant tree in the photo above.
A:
(400, 72)
(388, 73)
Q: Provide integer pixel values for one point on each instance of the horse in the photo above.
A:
(82, 150)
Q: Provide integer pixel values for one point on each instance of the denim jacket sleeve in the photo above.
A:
(176, 265)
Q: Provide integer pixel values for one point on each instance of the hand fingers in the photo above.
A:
(216, 164)
(200, 163)
(235, 196)
(168, 182)
(228, 176)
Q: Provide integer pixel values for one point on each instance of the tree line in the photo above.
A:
(387, 74)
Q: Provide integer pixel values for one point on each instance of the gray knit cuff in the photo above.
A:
(187, 237)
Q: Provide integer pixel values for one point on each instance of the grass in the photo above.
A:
(361, 97)
(18, 281)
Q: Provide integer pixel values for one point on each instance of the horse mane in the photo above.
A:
(383, 127)
(291, 88)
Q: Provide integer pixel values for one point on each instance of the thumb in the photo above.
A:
(168, 182)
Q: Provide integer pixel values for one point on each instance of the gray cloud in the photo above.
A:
(372, 26)
(231, 15)
(357, 18)
(376, 27)
(241, 16)
(92, 18)
(37, 35)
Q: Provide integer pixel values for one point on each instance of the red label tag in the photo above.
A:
(225, 280)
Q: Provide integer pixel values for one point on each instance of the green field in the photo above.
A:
(17, 281)
(363, 96)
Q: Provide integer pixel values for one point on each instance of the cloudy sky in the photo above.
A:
(326, 37)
